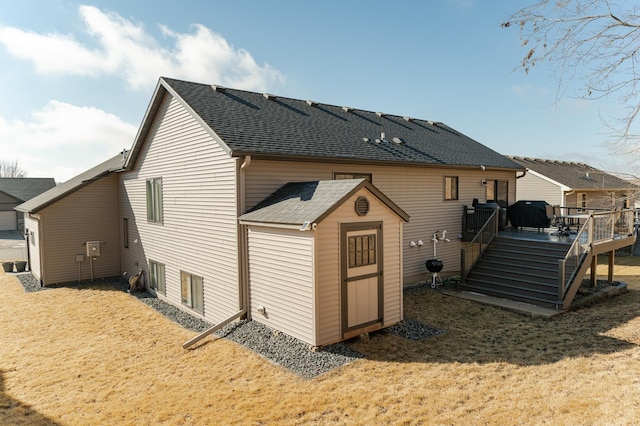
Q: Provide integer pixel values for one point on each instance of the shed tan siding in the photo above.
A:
(419, 191)
(532, 187)
(281, 280)
(328, 265)
(33, 226)
(89, 214)
(198, 233)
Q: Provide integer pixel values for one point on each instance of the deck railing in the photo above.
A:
(471, 253)
(598, 228)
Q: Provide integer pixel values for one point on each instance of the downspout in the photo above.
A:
(243, 272)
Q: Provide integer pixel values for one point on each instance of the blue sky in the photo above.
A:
(76, 78)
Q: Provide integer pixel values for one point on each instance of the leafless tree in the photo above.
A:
(11, 169)
(595, 43)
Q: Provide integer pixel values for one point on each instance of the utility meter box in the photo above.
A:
(93, 248)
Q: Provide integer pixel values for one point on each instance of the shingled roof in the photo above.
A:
(25, 188)
(576, 176)
(49, 197)
(276, 127)
(298, 202)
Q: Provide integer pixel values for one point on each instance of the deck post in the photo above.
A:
(612, 256)
(594, 267)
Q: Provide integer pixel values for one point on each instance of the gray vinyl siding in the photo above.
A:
(532, 187)
(281, 279)
(32, 225)
(419, 191)
(328, 265)
(89, 214)
(198, 232)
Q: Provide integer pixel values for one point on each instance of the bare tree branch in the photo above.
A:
(11, 169)
(595, 44)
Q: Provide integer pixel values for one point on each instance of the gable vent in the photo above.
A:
(219, 89)
(362, 206)
(269, 97)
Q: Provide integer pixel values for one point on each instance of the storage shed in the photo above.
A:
(325, 260)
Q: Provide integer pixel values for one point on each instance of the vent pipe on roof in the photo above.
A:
(268, 96)
(409, 119)
(311, 103)
(220, 89)
(347, 109)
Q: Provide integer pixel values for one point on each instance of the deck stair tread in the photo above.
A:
(520, 270)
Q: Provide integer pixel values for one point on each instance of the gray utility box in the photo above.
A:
(93, 248)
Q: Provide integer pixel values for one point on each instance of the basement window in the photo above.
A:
(156, 277)
(192, 291)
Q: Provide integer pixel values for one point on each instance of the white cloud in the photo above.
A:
(63, 140)
(124, 48)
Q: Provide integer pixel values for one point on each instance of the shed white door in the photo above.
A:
(8, 221)
(362, 275)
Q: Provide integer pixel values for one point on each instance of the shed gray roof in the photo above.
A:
(62, 190)
(298, 202)
(574, 175)
(284, 128)
(25, 188)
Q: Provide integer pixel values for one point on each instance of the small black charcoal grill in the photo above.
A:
(434, 265)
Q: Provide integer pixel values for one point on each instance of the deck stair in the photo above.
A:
(518, 269)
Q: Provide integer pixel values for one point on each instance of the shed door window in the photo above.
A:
(362, 250)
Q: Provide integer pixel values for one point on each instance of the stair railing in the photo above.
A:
(599, 227)
(473, 251)
(568, 266)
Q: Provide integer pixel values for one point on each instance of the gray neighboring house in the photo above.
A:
(572, 184)
(15, 191)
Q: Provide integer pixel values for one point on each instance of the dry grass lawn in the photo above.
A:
(99, 356)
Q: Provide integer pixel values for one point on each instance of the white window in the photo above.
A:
(156, 276)
(192, 291)
(154, 200)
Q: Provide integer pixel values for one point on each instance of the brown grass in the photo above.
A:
(99, 356)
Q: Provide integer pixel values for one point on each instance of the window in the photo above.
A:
(154, 200)
(340, 175)
(451, 187)
(362, 250)
(125, 232)
(498, 192)
(192, 291)
(156, 276)
(581, 201)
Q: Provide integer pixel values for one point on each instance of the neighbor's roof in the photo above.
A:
(574, 175)
(277, 127)
(62, 190)
(25, 188)
(298, 202)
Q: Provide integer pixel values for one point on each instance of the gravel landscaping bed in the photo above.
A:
(284, 350)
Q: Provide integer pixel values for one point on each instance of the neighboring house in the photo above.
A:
(209, 210)
(571, 184)
(15, 191)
